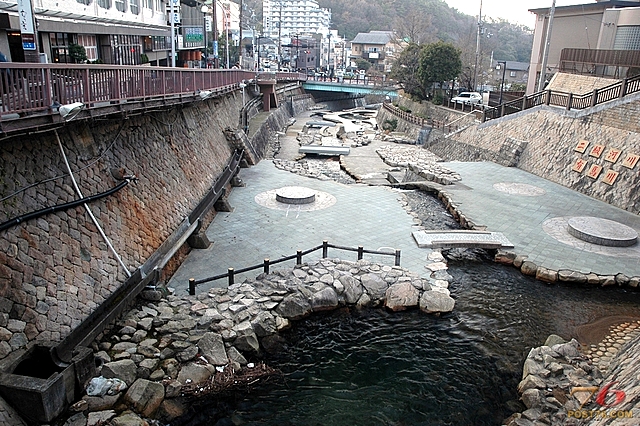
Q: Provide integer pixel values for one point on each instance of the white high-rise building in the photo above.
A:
(287, 18)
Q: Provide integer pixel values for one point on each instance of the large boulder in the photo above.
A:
(246, 339)
(145, 396)
(264, 324)
(193, 373)
(212, 348)
(401, 296)
(124, 370)
(352, 289)
(436, 301)
(294, 306)
(128, 419)
(324, 300)
(376, 287)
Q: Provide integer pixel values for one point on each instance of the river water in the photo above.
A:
(373, 367)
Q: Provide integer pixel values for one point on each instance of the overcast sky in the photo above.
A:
(516, 11)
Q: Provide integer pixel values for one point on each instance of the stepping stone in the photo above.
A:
(324, 150)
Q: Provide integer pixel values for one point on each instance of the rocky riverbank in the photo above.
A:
(163, 353)
(564, 383)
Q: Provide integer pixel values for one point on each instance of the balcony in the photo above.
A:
(373, 56)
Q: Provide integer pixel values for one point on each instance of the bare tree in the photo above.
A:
(416, 28)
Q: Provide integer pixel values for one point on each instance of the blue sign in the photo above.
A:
(215, 48)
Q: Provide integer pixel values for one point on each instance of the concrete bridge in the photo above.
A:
(355, 88)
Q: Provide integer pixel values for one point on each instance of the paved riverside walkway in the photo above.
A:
(530, 211)
(351, 215)
(533, 212)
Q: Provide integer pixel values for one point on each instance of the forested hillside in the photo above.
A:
(427, 21)
(422, 21)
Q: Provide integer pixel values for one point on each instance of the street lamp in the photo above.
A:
(204, 9)
(504, 70)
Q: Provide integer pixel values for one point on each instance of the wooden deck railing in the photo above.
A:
(420, 121)
(266, 265)
(566, 100)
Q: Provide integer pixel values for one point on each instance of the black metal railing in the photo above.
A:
(325, 246)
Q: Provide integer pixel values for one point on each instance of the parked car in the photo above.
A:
(468, 98)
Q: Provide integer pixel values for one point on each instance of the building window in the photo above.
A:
(512, 74)
(60, 47)
(126, 49)
(105, 4)
(134, 6)
(85, 2)
(90, 44)
(627, 38)
(149, 4)
(121, 5)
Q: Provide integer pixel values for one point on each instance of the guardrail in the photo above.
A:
(407, 116)
(27, 88)
(569, 101)
(231, 272)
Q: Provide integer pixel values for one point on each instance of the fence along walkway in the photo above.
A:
(566, 100)
(230, 274)
(28, 90)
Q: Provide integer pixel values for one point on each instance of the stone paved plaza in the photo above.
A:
(537, 225)
(530, 211)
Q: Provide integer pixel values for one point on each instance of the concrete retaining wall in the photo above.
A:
(55, 270)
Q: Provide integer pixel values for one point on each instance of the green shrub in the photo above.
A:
(390, 125)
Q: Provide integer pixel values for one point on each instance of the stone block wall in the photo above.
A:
(547, 137)
(54, 271)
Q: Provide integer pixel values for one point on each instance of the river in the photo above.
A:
(374, 367)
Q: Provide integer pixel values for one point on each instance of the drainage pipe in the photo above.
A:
(61, 207)
(86, 206)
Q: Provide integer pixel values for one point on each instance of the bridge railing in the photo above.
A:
(27, 88)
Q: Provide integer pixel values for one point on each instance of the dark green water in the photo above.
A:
(377, 368)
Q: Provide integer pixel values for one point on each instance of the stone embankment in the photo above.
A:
(163, 349)
(566, 276)
(419, 161)
(566, 384)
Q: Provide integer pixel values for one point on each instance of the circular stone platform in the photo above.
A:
(603, 232)
(519, 189)
(295, 195)
(321, 200)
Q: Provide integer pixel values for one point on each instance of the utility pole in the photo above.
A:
(216, 61)
(279, 37)
(240, 45)
(173, 32)
(475, 69)
(329, 53)
(545, 55)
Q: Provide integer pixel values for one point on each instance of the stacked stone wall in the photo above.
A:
(56, 270)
